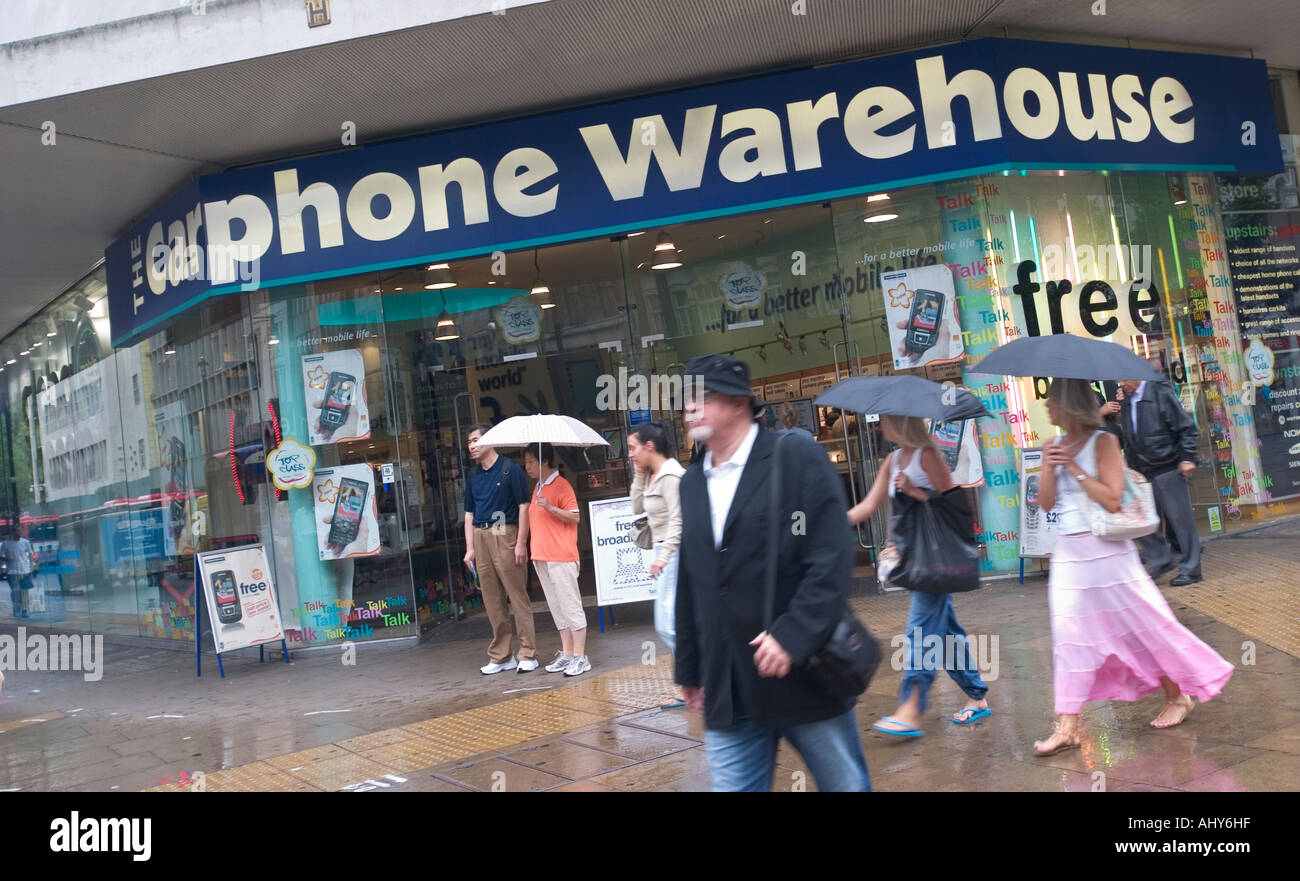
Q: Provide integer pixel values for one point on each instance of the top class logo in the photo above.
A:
(291, 464)
(900, 297)
(317, 376)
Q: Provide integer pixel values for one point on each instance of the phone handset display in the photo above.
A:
(226, 593)
(923, 321)
(349, 507)
(340, 390)
(1031, 501)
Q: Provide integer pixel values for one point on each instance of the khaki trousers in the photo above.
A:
(504, 584)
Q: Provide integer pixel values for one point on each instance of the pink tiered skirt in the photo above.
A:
(1113, 634)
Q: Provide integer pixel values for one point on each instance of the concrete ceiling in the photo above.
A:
(122, 149)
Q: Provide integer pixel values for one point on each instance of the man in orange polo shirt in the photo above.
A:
(553, 546)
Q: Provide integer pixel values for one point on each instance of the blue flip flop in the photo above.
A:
(907, 730)
(976, 713)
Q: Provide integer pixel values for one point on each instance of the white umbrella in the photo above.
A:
(542, 428)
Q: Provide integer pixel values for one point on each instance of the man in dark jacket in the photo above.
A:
(1160, 444)
(752, 684)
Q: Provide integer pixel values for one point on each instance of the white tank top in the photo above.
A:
(1070, 518)
(915, 473)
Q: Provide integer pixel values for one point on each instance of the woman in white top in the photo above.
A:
(1113, 635)
(655, 494)
(914, 468)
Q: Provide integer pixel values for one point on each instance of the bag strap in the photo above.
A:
(773, 532)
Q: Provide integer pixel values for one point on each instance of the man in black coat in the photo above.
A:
(1160, 442)
(753, 685)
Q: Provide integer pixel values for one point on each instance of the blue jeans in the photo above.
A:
(933, 615)
(743, 758)
(665, 603)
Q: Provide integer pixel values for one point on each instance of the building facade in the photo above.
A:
(906, 213)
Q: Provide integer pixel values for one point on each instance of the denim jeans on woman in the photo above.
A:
(665, 602)
(933, 614)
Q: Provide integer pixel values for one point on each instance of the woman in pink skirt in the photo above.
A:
(1113, 635)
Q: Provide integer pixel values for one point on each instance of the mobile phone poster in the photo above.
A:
(347, 522)
(240, 596)
(921, 315)
(334, 386)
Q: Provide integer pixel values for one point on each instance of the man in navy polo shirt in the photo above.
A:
(496, 532)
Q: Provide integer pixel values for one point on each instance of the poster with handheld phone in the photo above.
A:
(240, 597)
(1037, 527)
(921, 314)
(347, 524)
(960, 450)
(334, 385)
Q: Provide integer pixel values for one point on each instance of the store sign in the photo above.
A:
(721, 149)
(291, 464)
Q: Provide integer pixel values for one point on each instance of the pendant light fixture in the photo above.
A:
(540, 289)
(438, 277)
(666, 255)
(446, 329)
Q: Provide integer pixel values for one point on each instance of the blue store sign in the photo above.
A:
(935, 114)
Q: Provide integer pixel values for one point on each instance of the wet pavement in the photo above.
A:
(423, 718)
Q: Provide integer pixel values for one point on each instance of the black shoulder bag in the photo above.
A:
(848, 660)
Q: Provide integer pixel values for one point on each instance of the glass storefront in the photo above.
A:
(121, 464)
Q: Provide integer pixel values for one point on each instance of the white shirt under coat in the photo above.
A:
(723, 481)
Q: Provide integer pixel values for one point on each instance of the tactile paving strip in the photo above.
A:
(469, 733)
(333, 774)
(257, 777)
(537, 717)
(412, 754)
(34, 720)
(306, 757)
(368, 742)
(1256, 593)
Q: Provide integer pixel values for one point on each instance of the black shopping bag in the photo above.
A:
(936, 543)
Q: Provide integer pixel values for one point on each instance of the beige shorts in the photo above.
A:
(560, 584)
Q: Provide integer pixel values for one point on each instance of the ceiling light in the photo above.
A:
(880, 218)
(53, 328)
(878, 197)
(438, 277)
(24, 352)
(273, 341)
(638, 233)
(11, 361)
(446, 329)
(665, 255)
(723, 236)
(540, 289)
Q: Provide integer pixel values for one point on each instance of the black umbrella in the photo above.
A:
(1066, 356)
(902, 396)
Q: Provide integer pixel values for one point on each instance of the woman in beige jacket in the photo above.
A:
(654, 493)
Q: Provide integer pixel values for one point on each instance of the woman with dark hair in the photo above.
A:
(655, 493)
(1113, 635)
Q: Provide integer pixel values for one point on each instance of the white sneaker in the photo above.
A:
(527, 665)
(494, 667)
(577, 666)
(560, 664)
